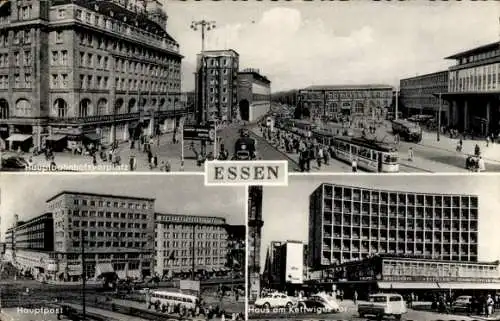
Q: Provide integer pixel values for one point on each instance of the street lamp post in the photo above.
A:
(396, 110)
(439, 118)
(83, 275)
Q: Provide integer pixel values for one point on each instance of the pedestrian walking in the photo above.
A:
(354, 165)
(355, 297)
(487, 141)
(132, 163)
(489, 305)
(477, 150)
(410, 154)
(481, 167)
(319, 156)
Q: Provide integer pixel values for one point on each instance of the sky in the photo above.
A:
(291, 203)
(299, 44)
(26, 195)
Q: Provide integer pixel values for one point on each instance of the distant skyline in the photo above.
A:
(26, 195)
(285, 210)
(299, 44)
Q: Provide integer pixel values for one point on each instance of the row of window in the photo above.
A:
(19, 82)
(124, 48)
(136, 235)
(199, 261)
(479, 57)
(137, 206)
(205, 235)
(114, 215)
(109, 224)
(428, 81)
(105, 22)
(19, 38)
(345, 95)
(100, 245)
(125, 84)
(475, 80)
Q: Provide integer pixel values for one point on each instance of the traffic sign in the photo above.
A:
(201, 133)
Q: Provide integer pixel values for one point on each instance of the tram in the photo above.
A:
(370, 155)
(407, 130)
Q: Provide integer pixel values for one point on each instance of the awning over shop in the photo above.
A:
(407, 285)
(92, 136)
(469, 286)
(18, 137)
(56, 137)
(74, 273)
(102, 268)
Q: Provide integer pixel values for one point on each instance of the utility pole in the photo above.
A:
(396, 111)
(194, 248)
(439, 118)
(84, 275)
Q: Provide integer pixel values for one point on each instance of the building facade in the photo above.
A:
(35, 234)
(420, 95)
(117, 233)
(236, 246)
(272, 267)
(424, 277)
(217, 85)
(78, 71)
(338, 102)
(254, 95)
(255, 224)
(474, 89)
(185, 242)
(351, 223)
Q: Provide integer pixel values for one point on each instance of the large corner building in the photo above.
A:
(80, 70)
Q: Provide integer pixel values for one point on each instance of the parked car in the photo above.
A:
(383, 305)
(275, 300)
(462, 303)
(319, 304)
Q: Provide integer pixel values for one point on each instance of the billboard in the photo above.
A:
(201, 133)
(294, 264)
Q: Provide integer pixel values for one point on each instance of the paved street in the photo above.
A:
(350, 313)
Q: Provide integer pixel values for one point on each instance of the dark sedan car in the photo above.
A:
(13, 162)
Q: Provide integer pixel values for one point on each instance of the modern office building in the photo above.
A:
(184, 242)
(339, 101)
(352, 223)
(423, 277)
(35, 234)
(117, 231)
(254, 94)
(77, 71)
(255, 224)
(420, 95)
(473, 90)
(217, 85)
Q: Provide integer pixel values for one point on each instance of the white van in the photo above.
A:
(383, 305)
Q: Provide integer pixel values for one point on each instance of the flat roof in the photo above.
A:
(256, 74)
(99, 195)
(476, 50)
(394, 191)
(348, 87)
(426, 75)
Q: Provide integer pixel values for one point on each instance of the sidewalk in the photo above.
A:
(490, 154)
(68, 161)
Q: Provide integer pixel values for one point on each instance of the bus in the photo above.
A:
(408, 131)
(370, 155)
(163, 299)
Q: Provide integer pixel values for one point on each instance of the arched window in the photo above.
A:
(4, 109)
(102, 106)
(23, 107)
(132, 105)
(119, 106)
(84, 108)
(61, 108)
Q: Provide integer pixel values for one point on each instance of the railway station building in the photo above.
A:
(474, 90)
